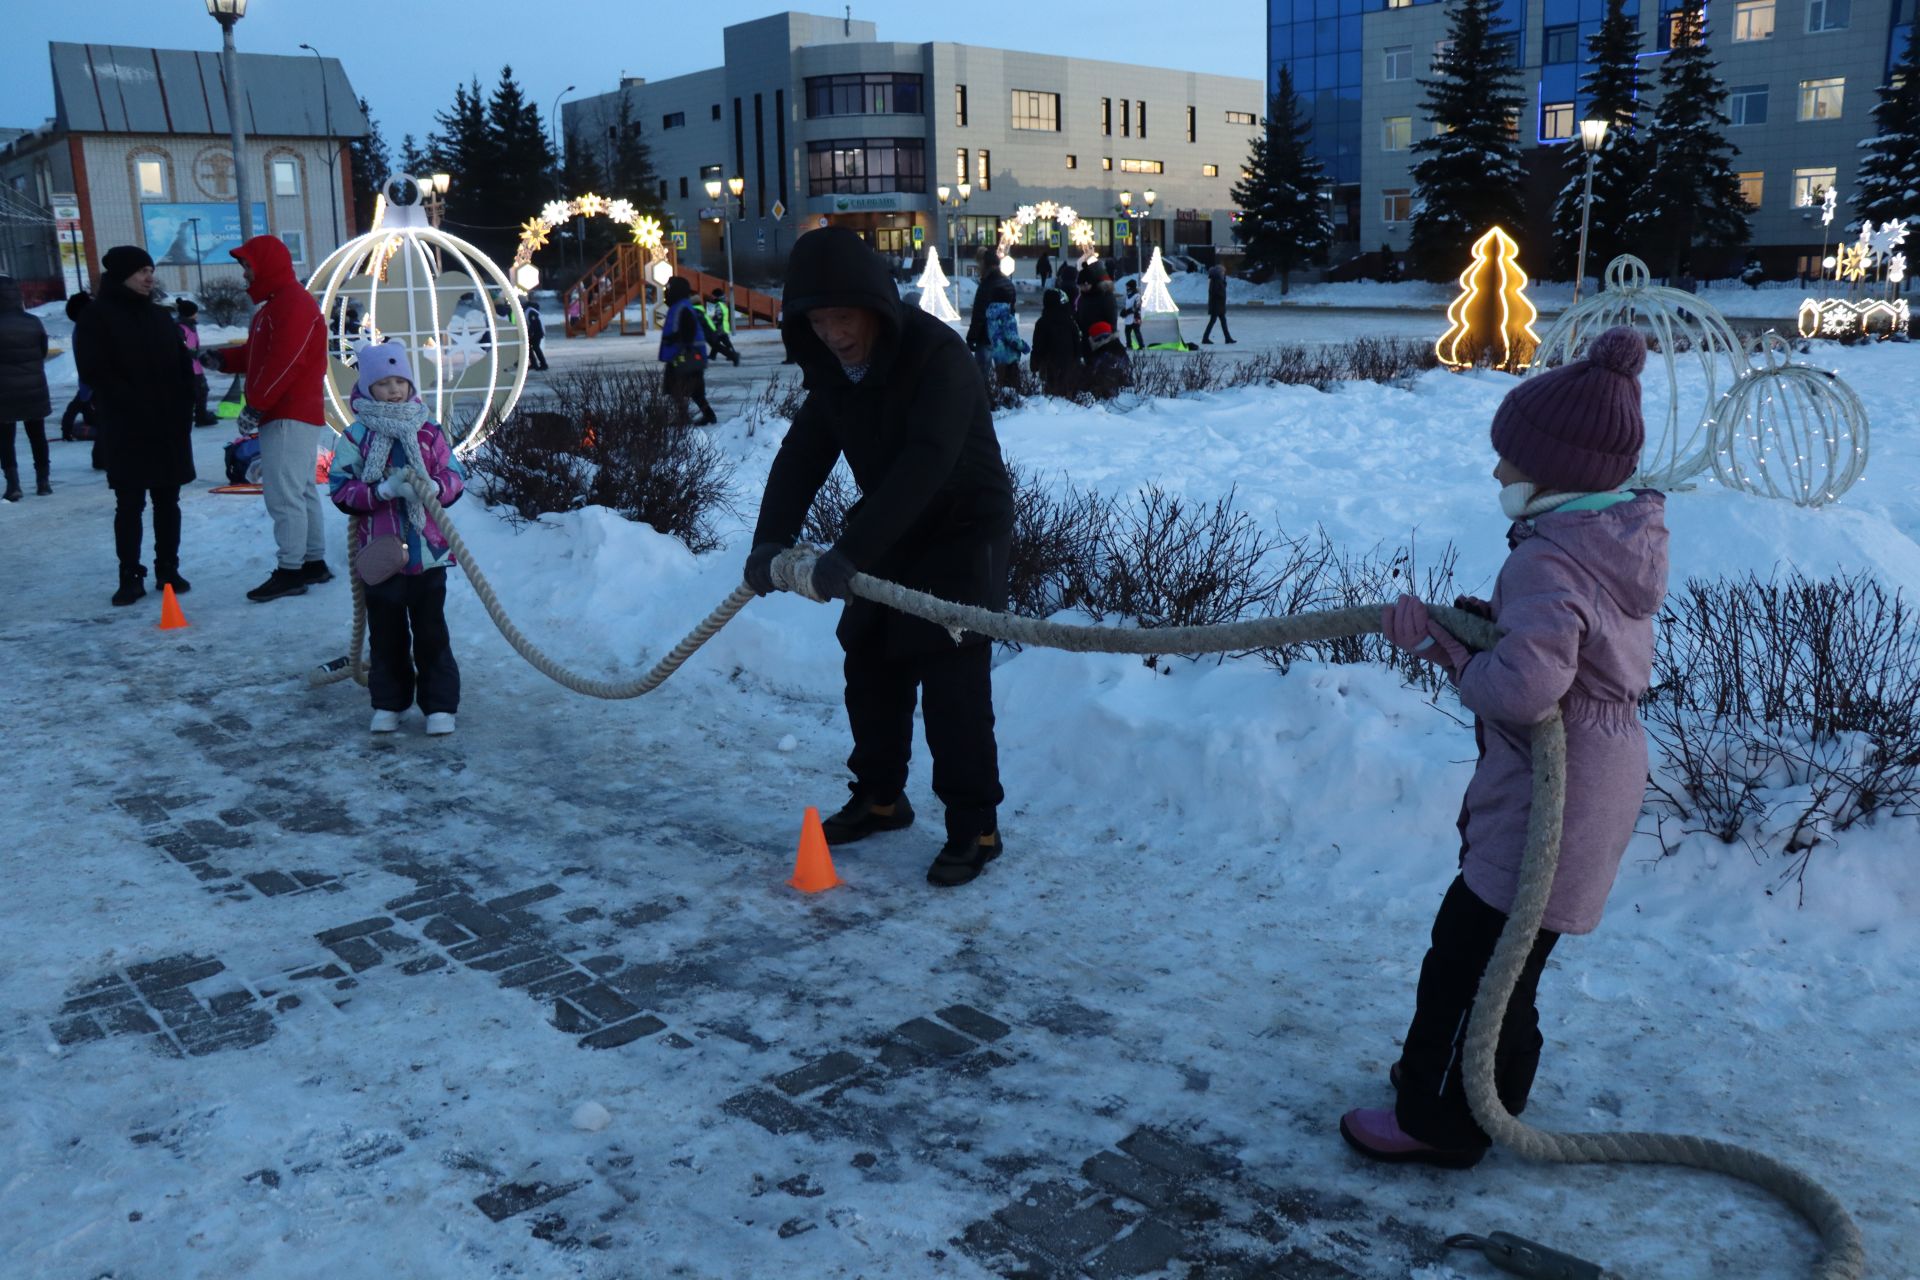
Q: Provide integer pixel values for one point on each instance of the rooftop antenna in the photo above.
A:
(847, 26)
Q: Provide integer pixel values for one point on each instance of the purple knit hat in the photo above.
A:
(382, 360)
(1578, 428)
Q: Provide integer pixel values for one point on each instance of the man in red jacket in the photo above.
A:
(285, 362)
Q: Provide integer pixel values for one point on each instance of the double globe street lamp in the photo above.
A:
(954, 198)
(1126, 208)
(227, 13)
(735, 186)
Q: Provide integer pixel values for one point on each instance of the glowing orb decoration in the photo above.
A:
(1789, 431)
(1681, 330)
(1493, 315)
(455, 310)
(1079, 231)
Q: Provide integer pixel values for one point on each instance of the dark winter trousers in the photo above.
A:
(202, 416)
(955, 687)
(416, 602)
(536, 354)
(722, 345)
(689, 382)
(36, 442)
(130, 503)
(1433, 1098)
(1134, 341)
(1225, 332)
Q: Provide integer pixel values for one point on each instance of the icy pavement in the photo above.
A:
(283, 1000)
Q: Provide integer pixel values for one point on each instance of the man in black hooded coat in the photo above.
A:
(895, 392)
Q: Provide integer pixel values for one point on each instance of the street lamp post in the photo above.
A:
(199, 267)
(736, 185)
(226, 13)
(1593, 134)
(559, 163)
(952, 199)
(1126, 207)
(436, 196)
(326, 109)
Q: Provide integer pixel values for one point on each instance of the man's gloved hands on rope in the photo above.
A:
(1405, 622)
(828, 577)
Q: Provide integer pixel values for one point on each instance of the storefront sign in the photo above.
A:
(872, 204)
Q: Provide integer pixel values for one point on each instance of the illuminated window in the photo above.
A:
(153, 179)
(960, 105)
(1142, 166)
(1556, 121)
(1240, 117)
(1810, 186)
(1396, 133)
(1209, 170)
(1140, 115)
(1752, 185)
(1398, 63)
(1073, 162)
(984, 176)
(1820, 99)
(1828, 15)
(1747, 104)
(959, 165)
(286, 179)
(1396, 204)
(1033, 109)
(1399, 4)
(1106, 164)
(1753, 20)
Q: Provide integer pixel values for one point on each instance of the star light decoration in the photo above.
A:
(535, 232)
(1079, 231)
(1860, 313)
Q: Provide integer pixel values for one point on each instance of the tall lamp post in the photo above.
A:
(436, 196)
(199, 267)
(950, 198)
(1593, 134)
(226, 13)
(559, 163)
(326, 109)
(1126, 207)
(736, 185)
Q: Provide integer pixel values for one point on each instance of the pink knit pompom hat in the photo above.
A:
(1578, 428)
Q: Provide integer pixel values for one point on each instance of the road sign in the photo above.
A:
(760, 237)
(779, 211)
(678, 239)
(1122, 229)
(919, 237)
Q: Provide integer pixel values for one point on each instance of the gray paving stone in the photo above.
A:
(528, 974)
(394, 942)
(1039, 1206)
(466, 951)
(425, 893)
(175, 971)
(77, 1030)
(933, 1037)
(771, 1112)
(424, 964)
(477, 920)
(216, 835)
(444, 931)
(314, 879)
(229, 1002)
(359, 954)
(517, 1197)
(1150, 1246)
(273, 883)
(431, 907)
(823, 1071)
(604, 1003)
(524, 898)
(568, 1017)
(240, 1031)
(99, 993)
(508, 958)
(624, 1033)
(126, 1019)
(560, 984)
(322, 971)
(1080, 1230)
(1177, 1156)
(1130, 1178)
(359, 928)
(979, 1025)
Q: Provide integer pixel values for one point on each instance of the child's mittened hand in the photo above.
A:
(1406, 624)
(394, 486)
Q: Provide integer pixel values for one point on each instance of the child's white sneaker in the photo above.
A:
(439, 724)
(384, 722)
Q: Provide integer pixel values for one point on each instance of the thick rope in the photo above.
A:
(1845, 1256)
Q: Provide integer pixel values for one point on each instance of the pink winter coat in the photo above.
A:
(1576, 600)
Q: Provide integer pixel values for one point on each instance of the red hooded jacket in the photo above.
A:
(285, 354)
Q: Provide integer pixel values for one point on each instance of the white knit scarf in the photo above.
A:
(389, 424)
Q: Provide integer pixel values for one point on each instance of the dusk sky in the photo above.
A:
(403, 59)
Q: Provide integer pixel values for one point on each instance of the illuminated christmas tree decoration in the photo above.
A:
(1789, 431)
(1492, 316)
(933, 290)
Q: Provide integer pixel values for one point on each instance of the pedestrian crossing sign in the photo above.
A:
(1122, 229)
(678, 239)
(919, 237)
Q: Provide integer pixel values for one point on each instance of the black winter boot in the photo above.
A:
(132, 585)
(41, 484)
(169, 576)
(862, 818)
(315, 572)
(962, 858)
(13, 482)
(281, 582)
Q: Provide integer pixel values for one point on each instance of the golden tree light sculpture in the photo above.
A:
(1493, 315)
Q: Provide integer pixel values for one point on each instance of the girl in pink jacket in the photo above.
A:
(1585, 575)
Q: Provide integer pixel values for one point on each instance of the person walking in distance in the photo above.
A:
(683, 349)
(894, 391)
(285, 362)
(128, 349)
(536, 339)
(1217, 304)
(720, 326)
(23, 388)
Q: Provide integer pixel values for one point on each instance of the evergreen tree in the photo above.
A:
(1468, 174)
(582, 241)
(1283, 221)
(630, 171)
(1690, 197)
(462, 145)
(368, 164)
(415, 158)
(1612, 84)
(523, 157)
(1889, 183)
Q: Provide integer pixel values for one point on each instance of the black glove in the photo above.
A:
(759, 572)
(832, 576)
(1474, 605)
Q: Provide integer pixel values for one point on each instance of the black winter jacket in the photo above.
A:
(129, 351)
(23, 360)
(936, 508)
(1216, 292)
(1056, 339)
(994, 288)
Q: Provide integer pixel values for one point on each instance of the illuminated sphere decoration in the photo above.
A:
(1681, 330)
(456, 311)
(1789, 431)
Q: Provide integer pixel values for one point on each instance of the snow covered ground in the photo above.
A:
(286, 1002)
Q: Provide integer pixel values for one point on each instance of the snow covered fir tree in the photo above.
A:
(1889, 181)
(1690, 198)
(1283, 221)
(1612, 87)
(1468, 175)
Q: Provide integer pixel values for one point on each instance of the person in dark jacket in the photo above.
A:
(1096, 304)
(23, 388)
(129, 351)
(1217, 304)
(79, 410)
(683, 349)
(994, 286)
(1067, 281)
(1056, 345)
(892, 390)
(1044, 269)
(536, 335)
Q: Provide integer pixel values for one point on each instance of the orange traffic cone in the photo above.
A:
(813, 867)
(171, 619)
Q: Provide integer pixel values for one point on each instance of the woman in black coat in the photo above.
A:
(129, 350)
(994, 286)
(1056, 345)
(23, 387)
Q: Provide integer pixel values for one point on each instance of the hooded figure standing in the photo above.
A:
(683, 349)
(23, 387)
(894, 391)
(285, 362)
(128, 349)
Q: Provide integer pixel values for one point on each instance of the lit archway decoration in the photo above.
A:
(1493, 314)
(452, 306)
(1079, 231)
(534, 232)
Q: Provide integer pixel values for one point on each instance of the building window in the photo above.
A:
(1442, 49)
(1399, 4)
(1033, 109)
(683, 188)
(1073, 162)
(1752, 185)
(1810, 186)
(152, 175)
(1562, 45)
(296, 242)
(1240, 117)
(1106, 164)
(286, 179)
(1126, 118)
(1398, 63)
(1192, 230)
(1140, 116)
(959, 165)
(1193, 125)
(977, 228)
(1747, 104)
(877, 93)
(984, 175)
(1106, 117)
(663, 189)
(1396, 133)
(1209, 170)
(1820, 99)
(675, 120)
(1142, 166)
(960, 106)
(1828, 15)
(716, 111)
(1396, 204)
(861, 166)
(1556, 121)
(1753, 20)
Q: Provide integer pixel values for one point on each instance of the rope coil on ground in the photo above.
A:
(1845, 1257)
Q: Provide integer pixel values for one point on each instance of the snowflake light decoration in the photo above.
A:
(1079, 233)
(590, 205)
(1889, 236)
(555, 212)
(533, 233)
(622, 211)
(647, 233)
(1897, 267)
(1828, 203)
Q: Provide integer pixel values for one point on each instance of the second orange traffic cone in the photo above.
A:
(171, 619)
(813, 866)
